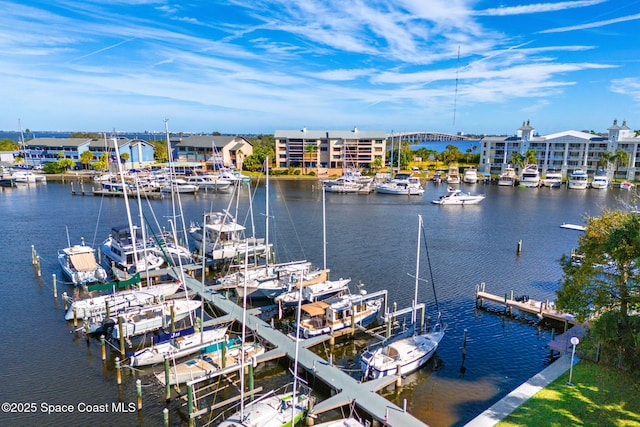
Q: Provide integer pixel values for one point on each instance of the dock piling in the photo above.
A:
(55, 289)
(118, 372)
(167, 377)
(165, 416)
(65, 300)
(103, 348)
(121, 331)
(139, 393)
(519, 248)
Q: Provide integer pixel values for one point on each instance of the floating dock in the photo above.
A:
(542, 309)
(347, 389)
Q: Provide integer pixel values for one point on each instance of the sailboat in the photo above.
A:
(406, 354)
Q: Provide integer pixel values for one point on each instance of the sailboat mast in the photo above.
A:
(126, 202)
(415, 297)
(324, 232)
(266, 226)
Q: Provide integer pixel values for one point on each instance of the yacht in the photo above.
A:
(578, 180)
(402, 184)
(457, 197)
(600, 179)
(530, 177)
(470, 176)
(453, 175)
(552, 179)
(508, 177)
(131, 253)
(78, 263)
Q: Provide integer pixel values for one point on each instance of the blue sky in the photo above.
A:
(257, 66)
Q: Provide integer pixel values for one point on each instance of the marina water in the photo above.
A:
(47, 367)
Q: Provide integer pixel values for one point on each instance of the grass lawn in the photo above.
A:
(601, 396)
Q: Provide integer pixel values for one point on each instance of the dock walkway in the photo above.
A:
(347, 389)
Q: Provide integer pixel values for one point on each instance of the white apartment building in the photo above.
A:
(564, 151)
(342, 149)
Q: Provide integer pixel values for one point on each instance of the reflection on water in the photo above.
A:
(369, 238)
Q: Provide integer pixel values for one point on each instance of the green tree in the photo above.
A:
(605, 159)
(621, 158)
(530, 158)
(9, 145)
(18, 160)
(517, 159)
(124, 157)
(604, 284)
(309, 155)
(86, 157)
(66, 164)
(452, 154)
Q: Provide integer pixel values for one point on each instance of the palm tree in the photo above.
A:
(605, 158)
(517, 159)
(309, 155)
(530, 157)
(621, 158)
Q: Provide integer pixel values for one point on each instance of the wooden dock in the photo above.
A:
(347, 389)
(542, 309)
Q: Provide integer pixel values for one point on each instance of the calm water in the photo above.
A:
(371, 239)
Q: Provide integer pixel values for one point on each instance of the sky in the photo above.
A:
(257, 66)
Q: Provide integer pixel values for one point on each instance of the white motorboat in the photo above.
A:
(578, 180)
(342, 185)
(210, 182)
(225, 238)
(600, 180)
(508, 177)
(130, 252)
(79, 265)
(453, 175)
(402, 184)
(405, 354)
(339, 312)
(530, 177)
(470, 176)
(552, 179)
(179, 185)
(626, 185)
(179, 344)
(457, 197)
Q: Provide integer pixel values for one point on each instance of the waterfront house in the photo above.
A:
(214, 151)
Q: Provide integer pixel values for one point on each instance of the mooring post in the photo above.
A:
(250, 379)
(399, 374)
(173, 318)
(118, 372)
(121, 331)
(103, 347)
(165, 416)
(139, 393)
(55, 289)
(464, 343)
(65, 299)
(167, 378)
(519, 249)
(190, 404)
(75, 317)
(38, 269)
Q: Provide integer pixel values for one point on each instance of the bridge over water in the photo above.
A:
(419, 137)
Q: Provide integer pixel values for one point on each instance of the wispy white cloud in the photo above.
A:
(629, 86)
(537, 8)
(592, 24)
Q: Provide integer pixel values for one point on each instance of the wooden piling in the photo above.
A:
(464, 343)
(167, 378)
(121, 331)
(173, 318)
(65, 300)
(55, 289)
(519, 248)
(399, 374)
(118, 372)
(139, 393)
(165, 417)
(250, 379)
(103, 347)
(190, 405)
(38, 269)
(75, 317)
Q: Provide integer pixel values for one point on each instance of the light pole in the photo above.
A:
(574, 341)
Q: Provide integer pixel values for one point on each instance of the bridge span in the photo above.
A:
(418, 137)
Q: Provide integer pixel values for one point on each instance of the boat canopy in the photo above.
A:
(315, 308)
(83, 261)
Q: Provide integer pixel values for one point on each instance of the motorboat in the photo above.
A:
(312, 292)
(402, 184)
(600, 180)
(339, 312)
(210, 182)
(140, 320)
(457, 197)
(437, 177)
(342, 185)
(578, 180)
(179, 344)
(130, 252)
(626, 185)
(508, 177)
(453, 175)
(179, 185)
(79, 265)
(530, 177)
(552, 179)
(470, 176)
(224, 238)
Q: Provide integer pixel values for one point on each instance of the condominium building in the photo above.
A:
(332, 149)
(565, 151)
